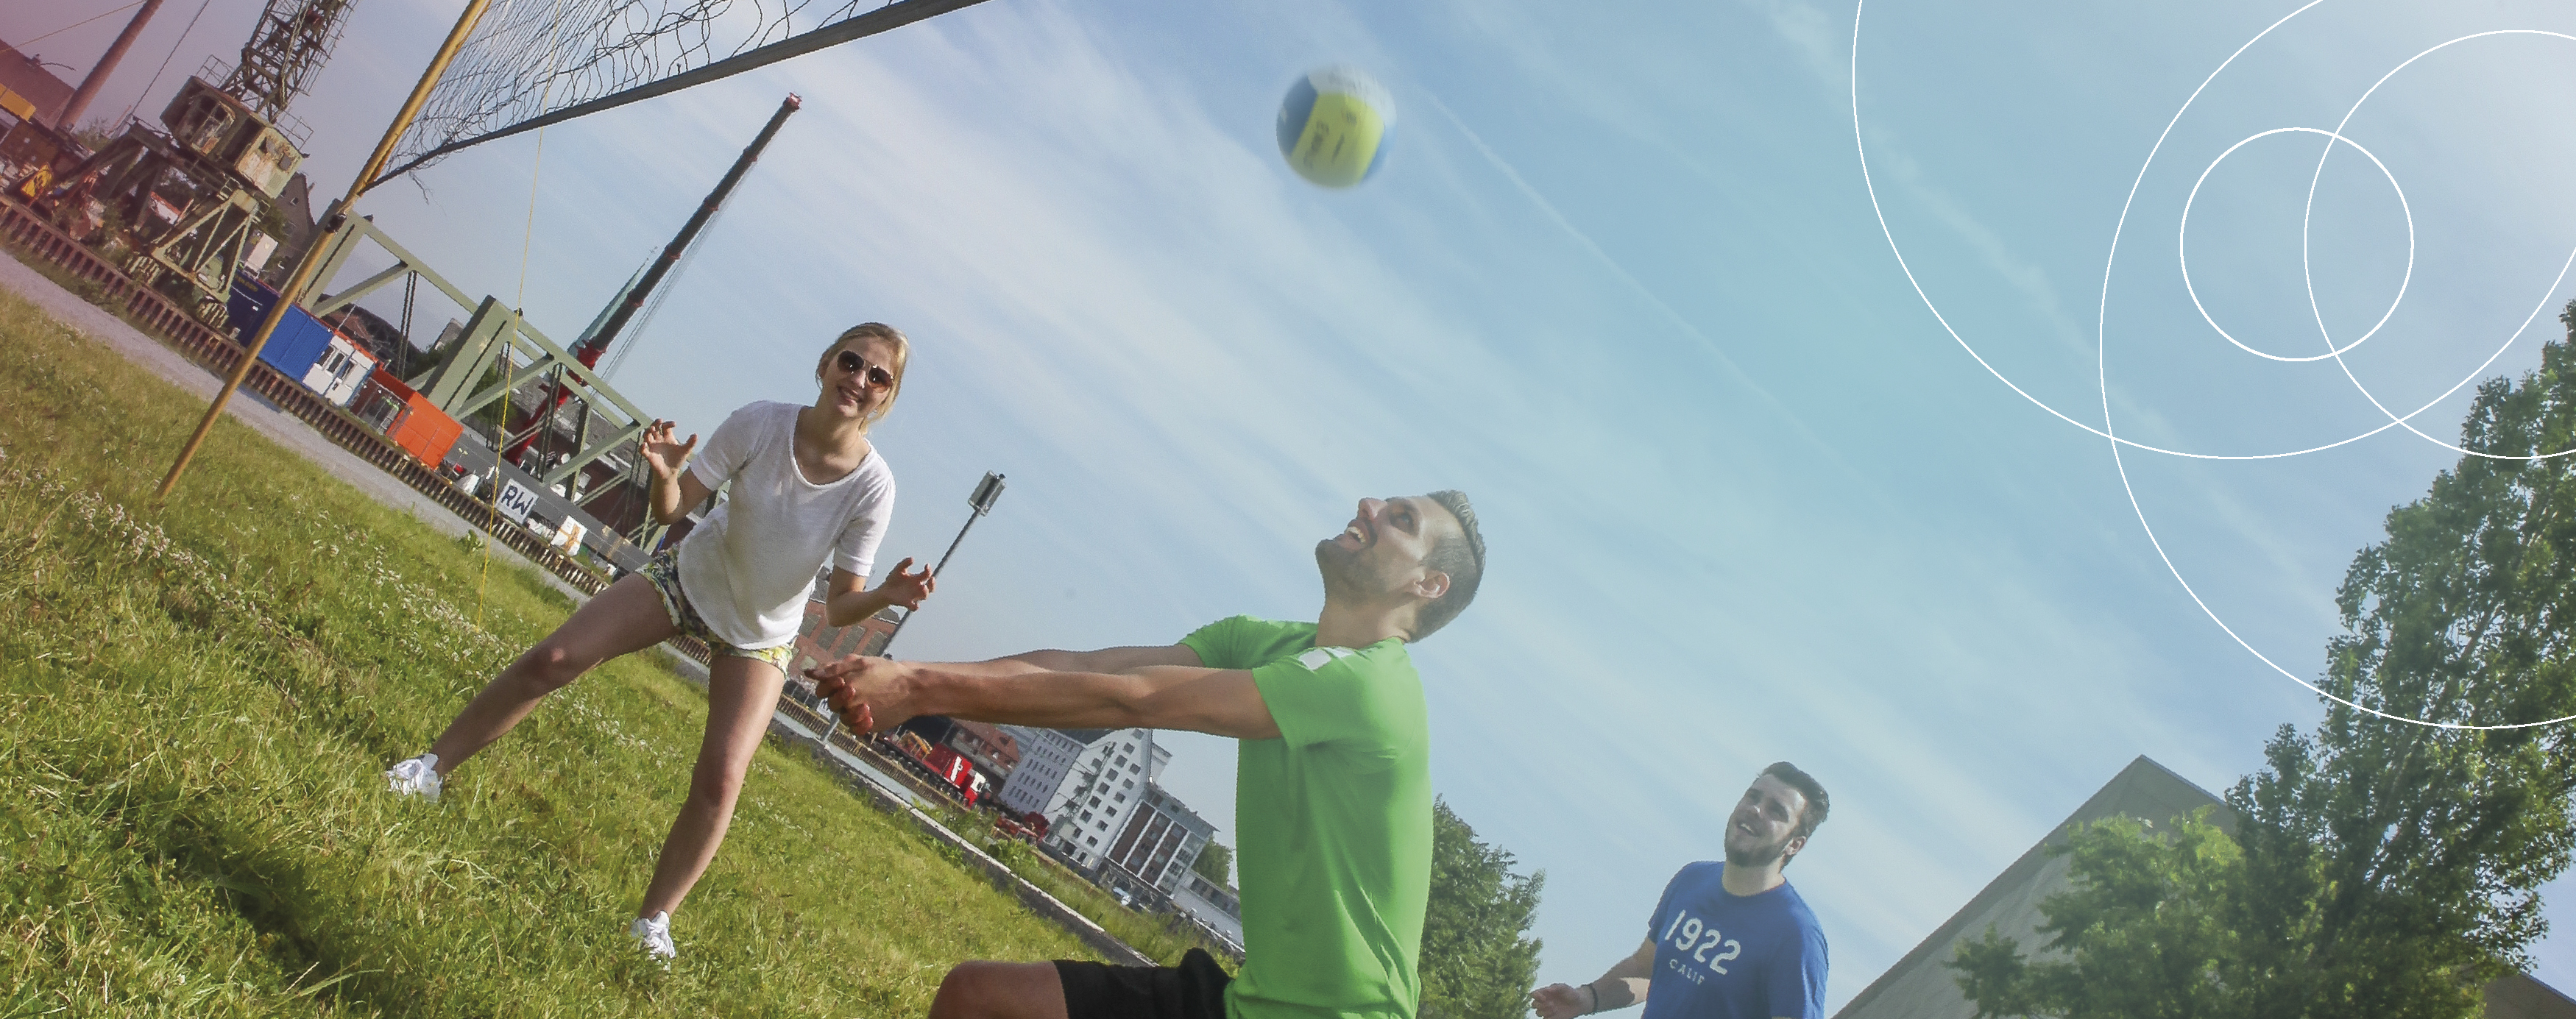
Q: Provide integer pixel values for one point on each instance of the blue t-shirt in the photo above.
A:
(1722, 956)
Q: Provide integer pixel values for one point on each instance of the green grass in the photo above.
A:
(195, 701)
(1156, 936)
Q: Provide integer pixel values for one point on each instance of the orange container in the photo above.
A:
(422, 430)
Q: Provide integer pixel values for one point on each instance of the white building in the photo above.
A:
(1046, 755)
(1215, 904)
(1104, 785)
(1159, 842)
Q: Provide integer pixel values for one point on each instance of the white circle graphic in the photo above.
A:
(2333, 350)
(2182, 246)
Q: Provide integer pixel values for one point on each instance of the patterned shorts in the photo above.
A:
(664, 573)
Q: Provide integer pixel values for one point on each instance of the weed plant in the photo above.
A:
(196, 700)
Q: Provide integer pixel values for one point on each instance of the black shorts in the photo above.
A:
(1195, 989)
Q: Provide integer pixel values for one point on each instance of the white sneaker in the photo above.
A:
(416, 777)
(653, 935)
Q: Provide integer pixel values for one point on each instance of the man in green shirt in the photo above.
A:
(1332, 782)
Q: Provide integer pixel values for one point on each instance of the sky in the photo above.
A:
(1782, 405)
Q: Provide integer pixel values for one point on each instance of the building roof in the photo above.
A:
(1163, 800)
(1006, 750)
(21, 74)
(1921, 986)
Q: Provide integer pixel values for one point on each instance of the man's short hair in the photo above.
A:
(1461, 556)
(1818, 804)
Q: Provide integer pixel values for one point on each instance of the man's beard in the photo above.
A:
(1756, 856)
(1343, 575)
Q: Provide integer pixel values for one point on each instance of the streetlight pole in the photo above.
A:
(987, 492)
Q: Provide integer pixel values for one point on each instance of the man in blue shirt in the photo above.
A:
(1731, 940)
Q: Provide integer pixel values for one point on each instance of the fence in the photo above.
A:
(157, 316)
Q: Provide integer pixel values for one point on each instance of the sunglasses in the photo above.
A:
(851, 364)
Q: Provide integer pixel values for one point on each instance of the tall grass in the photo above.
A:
(196, 699)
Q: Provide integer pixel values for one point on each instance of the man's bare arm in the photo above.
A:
(873, 693)
(1624, 984)
(1112, 660)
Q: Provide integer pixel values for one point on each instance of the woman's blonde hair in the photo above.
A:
(871, 331)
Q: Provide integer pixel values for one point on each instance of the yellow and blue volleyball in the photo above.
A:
(1334, 125)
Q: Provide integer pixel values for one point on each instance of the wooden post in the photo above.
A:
(306, 264)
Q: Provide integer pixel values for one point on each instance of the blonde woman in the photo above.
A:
(807, 488)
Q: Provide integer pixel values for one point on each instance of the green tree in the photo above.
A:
(1215, 863)
(2387, 868)
(2145, 931)
(1478, 959)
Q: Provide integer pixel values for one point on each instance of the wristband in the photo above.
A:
(1593, 993)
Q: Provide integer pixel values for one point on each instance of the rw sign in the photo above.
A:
(515, 502)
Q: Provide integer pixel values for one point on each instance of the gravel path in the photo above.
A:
(97, 325)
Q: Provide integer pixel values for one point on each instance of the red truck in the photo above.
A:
(947, 765)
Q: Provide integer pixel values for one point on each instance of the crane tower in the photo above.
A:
(185, 205)
(288, 45)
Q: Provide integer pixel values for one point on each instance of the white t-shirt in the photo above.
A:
(750, 567)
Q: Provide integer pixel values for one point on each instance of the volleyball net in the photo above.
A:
(530, 63)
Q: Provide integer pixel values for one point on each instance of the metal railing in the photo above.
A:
(176, 327)
(157, 316)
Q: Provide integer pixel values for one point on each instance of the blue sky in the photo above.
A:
(1747, 498)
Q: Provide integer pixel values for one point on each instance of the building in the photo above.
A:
(295, 211)
(818, 641)
(1046, 756)
(1156, 847)
(1215, 904)
(1921, 986)
(987, 747)
(29, 91)
(1105, 786)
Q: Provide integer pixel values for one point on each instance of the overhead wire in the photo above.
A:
(635, 335)
(518, 310)
(22, 47)
(165, 62)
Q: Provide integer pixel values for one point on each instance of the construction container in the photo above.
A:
(299, 340)
(342, 369)
(407, 418)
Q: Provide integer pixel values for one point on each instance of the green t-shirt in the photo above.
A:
(1332, 824)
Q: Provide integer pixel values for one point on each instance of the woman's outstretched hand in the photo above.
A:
(662, 453)
(907, 589)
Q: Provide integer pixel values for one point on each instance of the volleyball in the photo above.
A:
(1333, 126)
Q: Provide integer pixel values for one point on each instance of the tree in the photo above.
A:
(2147, 929)
(1478, 961)
(2388, 869)
(1215, 863)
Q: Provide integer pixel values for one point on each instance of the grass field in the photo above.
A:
(195, 701)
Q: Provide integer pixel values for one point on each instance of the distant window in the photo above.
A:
(1122, 797)
(1090, 841)
(1131, 769)
(1129, 784)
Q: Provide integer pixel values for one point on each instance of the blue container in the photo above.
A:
(299, 340)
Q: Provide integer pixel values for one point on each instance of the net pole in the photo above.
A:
(311, 260)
